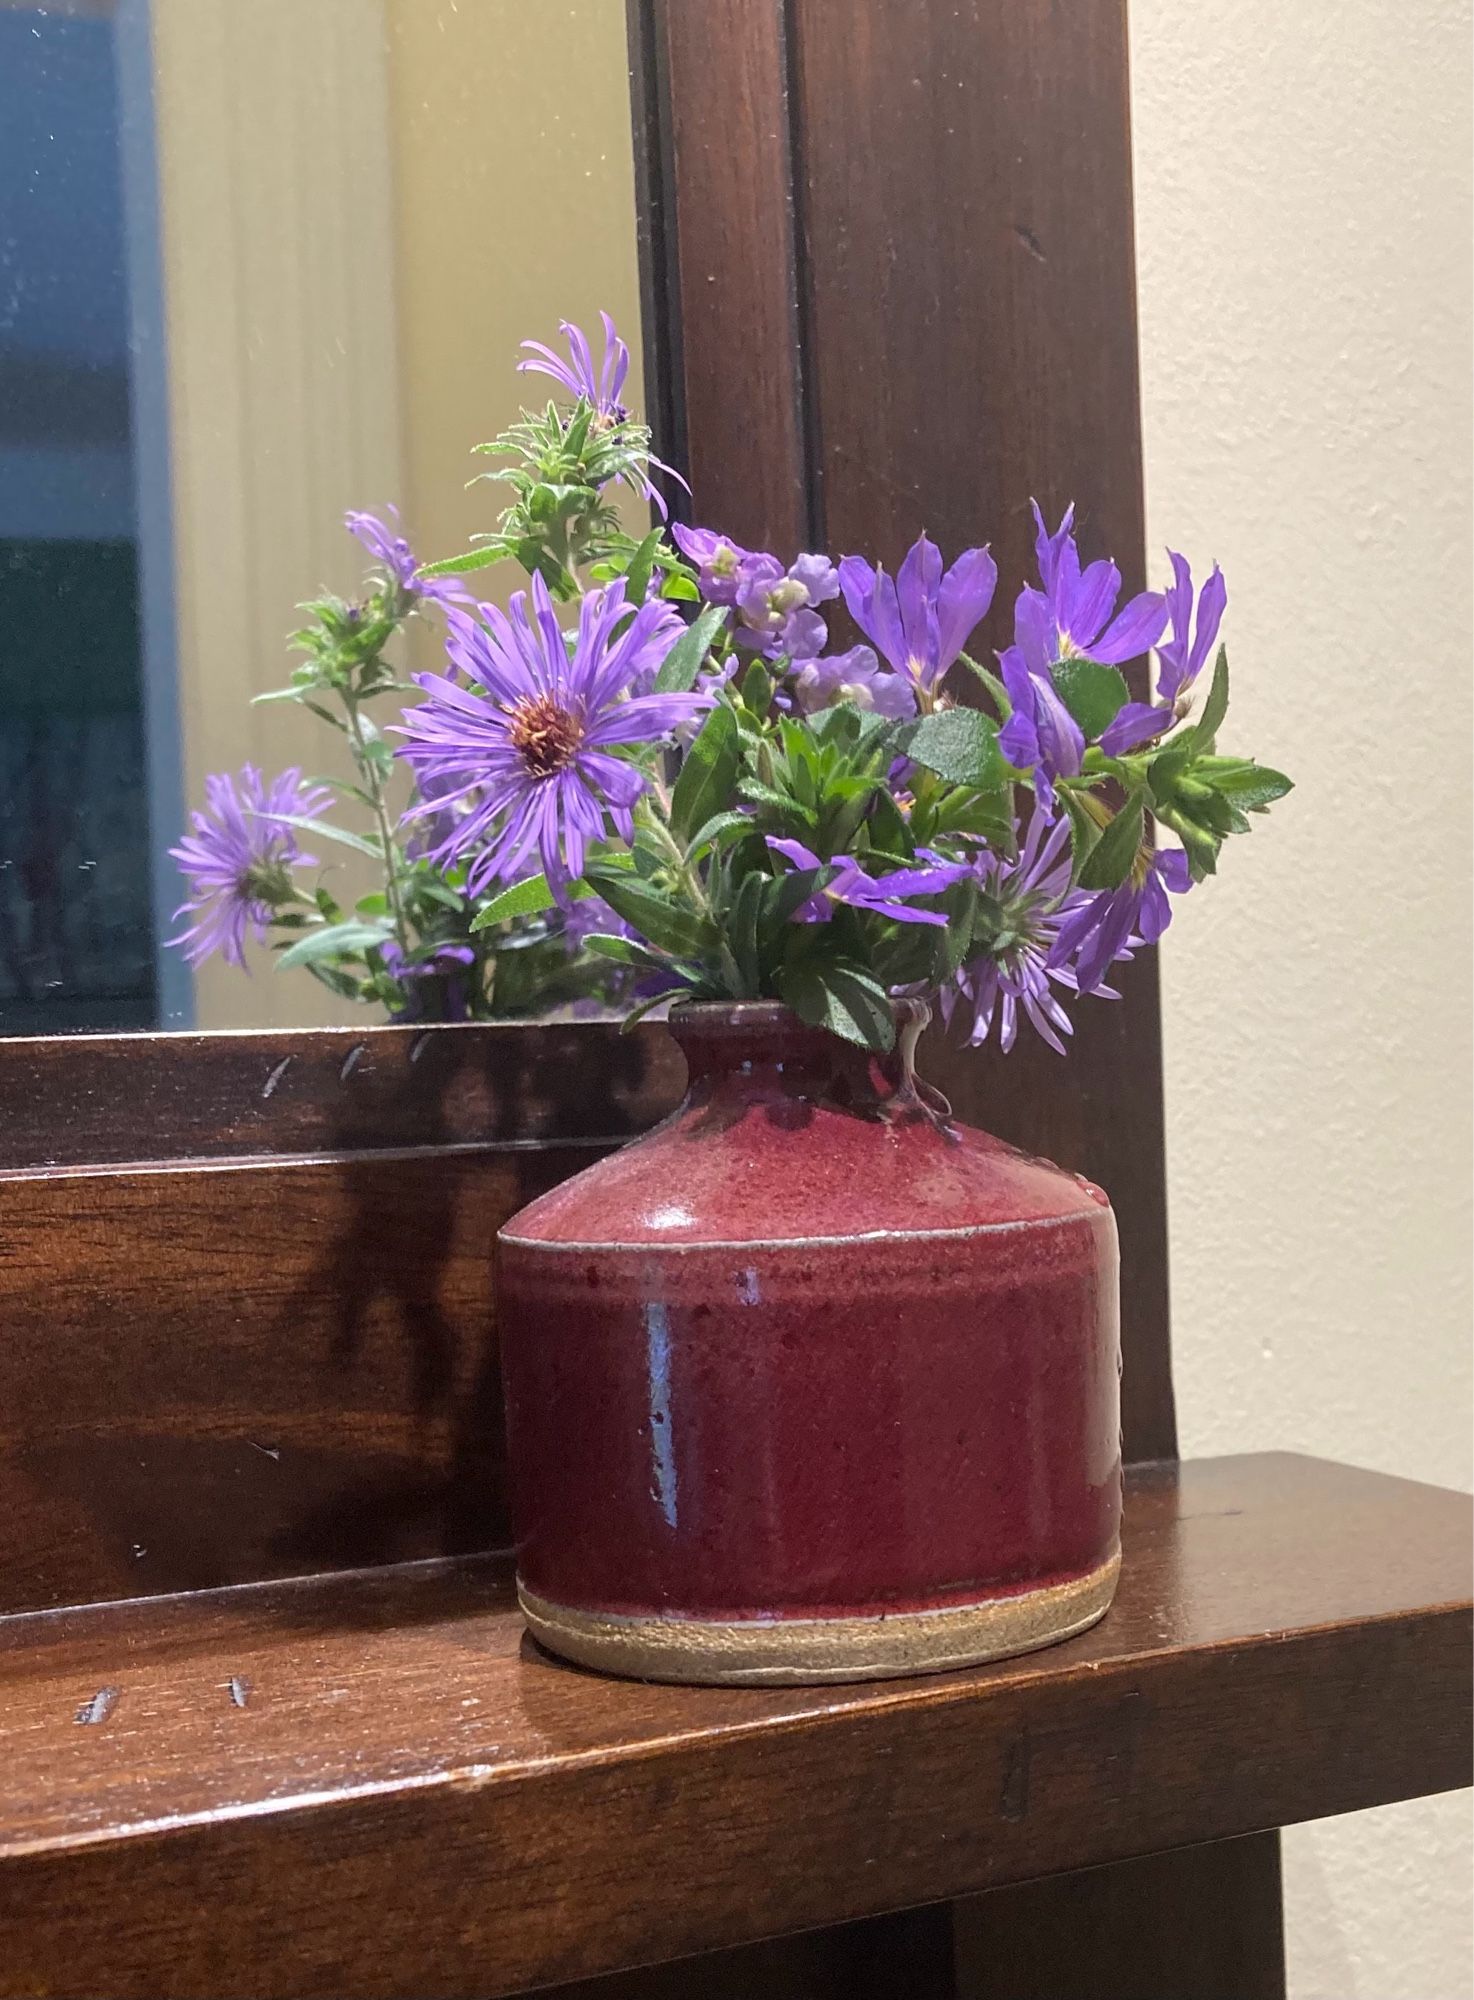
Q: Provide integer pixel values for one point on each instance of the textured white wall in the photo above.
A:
(1303, 224)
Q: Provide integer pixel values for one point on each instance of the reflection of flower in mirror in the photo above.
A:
(397, 559)
(238, 859)
(602, 386)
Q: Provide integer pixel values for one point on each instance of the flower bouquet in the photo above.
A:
(612, 802)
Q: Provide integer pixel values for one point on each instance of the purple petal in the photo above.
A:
(966, 592)
(1135, 724)
(918, 582)
(1211, 606)
(1095, 599)
(1135, 629)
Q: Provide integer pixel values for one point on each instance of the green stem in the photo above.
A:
(374, 786)
(656, 818)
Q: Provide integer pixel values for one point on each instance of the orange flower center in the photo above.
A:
(546, 736)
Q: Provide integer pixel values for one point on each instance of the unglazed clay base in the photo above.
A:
(789, 1652)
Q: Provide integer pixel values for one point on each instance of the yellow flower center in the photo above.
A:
(546, 736)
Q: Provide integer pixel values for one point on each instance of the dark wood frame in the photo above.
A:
(246, 1279)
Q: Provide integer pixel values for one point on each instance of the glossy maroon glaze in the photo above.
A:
(808, 1349)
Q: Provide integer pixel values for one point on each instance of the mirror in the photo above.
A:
(261, 262)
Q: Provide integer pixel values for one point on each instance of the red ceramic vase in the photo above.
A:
(811, 1383)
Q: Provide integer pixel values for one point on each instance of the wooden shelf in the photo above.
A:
(373, 1782)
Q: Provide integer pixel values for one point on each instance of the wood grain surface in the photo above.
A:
(376, 1784)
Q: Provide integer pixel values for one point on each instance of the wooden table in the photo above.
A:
(373, 1782)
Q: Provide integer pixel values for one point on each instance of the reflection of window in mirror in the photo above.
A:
(260, 261)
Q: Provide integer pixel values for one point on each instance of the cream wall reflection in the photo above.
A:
(366, 204)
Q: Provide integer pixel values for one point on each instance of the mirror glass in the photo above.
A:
(261, 262)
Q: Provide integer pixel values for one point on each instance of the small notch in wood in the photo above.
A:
(100, 1707)
(239, 1690)
(1013, 1801)
(351, 1061)
(276, 1076)
(1030, 242)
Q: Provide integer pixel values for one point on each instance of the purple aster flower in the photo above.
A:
(389, 548)
(1033, 898)
(881, 895)
(577, 374)
(601, 387)
(239, 858)
(855, 676)
(531, 740)
(1105, 926)
(921, 619)
(1029, 892)
(717, 559)
(1181, 659)
(775, 611)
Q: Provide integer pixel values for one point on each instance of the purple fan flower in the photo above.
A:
(1041, 735)
(1074, 614)
(879, 894)
(389, 548)
(775, 611)
(1106, 925)
(239, 858)
(1081, 604)
(921, 619)
(577, 374)
(1034, 898)
(718, 561)
(1181, 659)
(855, 676)
(530, 741)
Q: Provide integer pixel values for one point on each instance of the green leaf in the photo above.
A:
(624, 951)
(1110, 861)
(757, 689)
(1252, 787)
(1215, 707)
(1084, 831)
(462, 565)
(334, 941)
(959, 744)
(721, 828)
(843, 997)
(1094, 693)
(742, 931)
(325, 830)
(637, 576)
(670, 926)
(992, 683)
(888, 828)
(708, 773)
(681, 665)
(779, 802)
(645, 1007)
(524, 899)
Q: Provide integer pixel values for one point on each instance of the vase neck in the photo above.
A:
(755, 1051)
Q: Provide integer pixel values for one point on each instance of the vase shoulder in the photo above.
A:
(785, 1170)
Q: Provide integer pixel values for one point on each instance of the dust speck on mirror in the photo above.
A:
(263, 263)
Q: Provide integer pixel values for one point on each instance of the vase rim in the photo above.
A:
(749, 1016)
